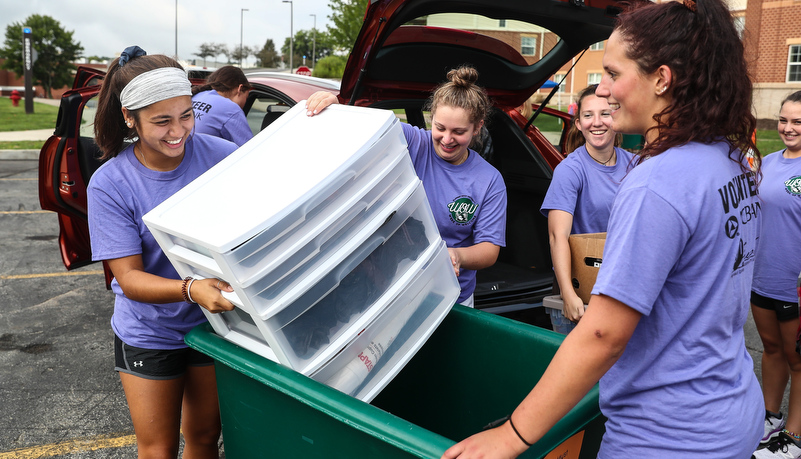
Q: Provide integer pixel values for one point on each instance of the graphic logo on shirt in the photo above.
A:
(793, 186)
(200, 108)
(462, 210)
(743, 256)
(738, 199)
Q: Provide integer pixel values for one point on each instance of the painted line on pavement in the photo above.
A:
(70, 446)
(13, 212)
(35, 276)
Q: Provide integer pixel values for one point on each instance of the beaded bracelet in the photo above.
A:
(518, 433)
(185, 289)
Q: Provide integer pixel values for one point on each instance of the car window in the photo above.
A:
(87, 128)
(264, 110)
(520, 43)
(552, 127)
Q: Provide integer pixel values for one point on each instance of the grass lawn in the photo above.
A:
(769, 141)
(15, 119)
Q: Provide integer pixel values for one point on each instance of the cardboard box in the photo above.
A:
(586, 255)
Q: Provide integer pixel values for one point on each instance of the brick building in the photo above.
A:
(773, 46)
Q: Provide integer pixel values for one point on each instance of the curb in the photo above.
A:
(19, 155)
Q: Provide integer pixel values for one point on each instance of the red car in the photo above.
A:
(405, 49)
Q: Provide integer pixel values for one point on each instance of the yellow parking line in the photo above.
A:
(19, 178)
(70, 446)
(68, 273)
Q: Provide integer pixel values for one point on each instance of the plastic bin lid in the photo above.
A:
(270, 175)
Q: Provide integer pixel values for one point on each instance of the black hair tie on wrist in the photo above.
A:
(518, 433)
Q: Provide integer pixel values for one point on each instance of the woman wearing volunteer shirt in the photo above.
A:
(581, 193)
(467, 195)
(664, 328)
(774, 299)
(170, 388)
(218, 105)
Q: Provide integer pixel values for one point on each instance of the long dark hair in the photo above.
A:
(110, 128)
(224, 80)
(711, 91)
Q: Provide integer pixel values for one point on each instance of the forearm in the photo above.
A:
(562, 265)
(584, 357)
(479, 256)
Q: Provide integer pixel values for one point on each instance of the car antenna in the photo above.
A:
(363, 70)
(553, 91)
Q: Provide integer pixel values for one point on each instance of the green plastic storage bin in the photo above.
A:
(474, 369)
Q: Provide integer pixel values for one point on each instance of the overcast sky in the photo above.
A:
(106, 27)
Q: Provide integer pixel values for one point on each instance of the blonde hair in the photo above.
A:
(461, 91)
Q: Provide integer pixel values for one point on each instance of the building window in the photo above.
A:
(739, 24)
(794, 64)
(597, 46)
(558, 79)
(502, 23)
(528, 46)
(593, 78)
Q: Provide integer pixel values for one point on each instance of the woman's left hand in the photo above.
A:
(456, 259)
(498, 443)
(208, 294)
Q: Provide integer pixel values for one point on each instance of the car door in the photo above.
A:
(66, 162)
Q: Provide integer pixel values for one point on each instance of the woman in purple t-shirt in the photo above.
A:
(218, 105)
(774, 300)
(170, 389)
(581, 193)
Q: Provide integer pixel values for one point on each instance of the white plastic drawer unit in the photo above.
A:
(295, 183)
(342, 296)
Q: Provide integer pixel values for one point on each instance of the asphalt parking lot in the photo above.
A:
(59, 395)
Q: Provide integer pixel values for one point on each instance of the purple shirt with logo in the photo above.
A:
(120, 192)
(468, 201)
(778, 260)
(221, 117)
(585, 189)
(680, 250)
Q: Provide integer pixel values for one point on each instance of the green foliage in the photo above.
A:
(330, 67)
(15, 119)
(55, 49)
(268, 56)
(305, 42)
(347, 17)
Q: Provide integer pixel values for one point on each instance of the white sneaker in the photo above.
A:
(773, 426)
(783, 447)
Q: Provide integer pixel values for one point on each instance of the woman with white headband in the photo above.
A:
(148, 100)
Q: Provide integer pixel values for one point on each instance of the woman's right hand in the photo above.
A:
(573, 307)
(208, 294)
(318, 101)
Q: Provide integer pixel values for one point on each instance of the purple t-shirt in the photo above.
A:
(221, 117)
(680, 250)
(778, 260)
(468, 201)
(120, 192)
(586, 189)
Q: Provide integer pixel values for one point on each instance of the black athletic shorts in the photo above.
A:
(156, 363)
(785, 310)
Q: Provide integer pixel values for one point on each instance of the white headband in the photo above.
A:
(154, 86)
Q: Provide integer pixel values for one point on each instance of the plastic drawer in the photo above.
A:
(369, 362)
(268, 202)
(334, 304)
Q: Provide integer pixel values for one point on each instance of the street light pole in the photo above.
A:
(176, 29)
(241, 33)
(291, 34)
(314, 39)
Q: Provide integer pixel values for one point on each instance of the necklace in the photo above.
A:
(144, 161)
(604, 163)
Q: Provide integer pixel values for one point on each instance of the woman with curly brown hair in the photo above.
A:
(663, 332)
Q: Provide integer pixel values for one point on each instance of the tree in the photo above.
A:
(305, 43)
(55, 49)
(330, 67)
(268, 56)
(240, 54)
(347, 17)
(207, 50)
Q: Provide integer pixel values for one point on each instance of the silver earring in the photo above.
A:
(664, 88)
(130, 124)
